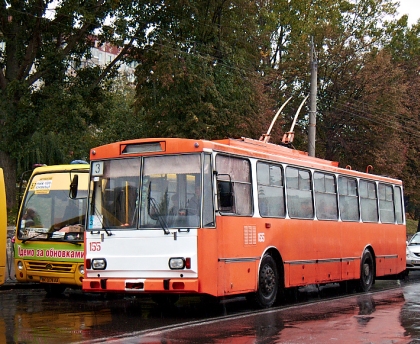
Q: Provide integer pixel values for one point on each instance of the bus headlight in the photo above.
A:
(82, 269)
(20, 265)
(176, 263)
(99, 264)
(179, 263)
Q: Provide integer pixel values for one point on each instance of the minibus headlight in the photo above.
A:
(82, 269)
(176, 263)
(20, 265)
(99, 264)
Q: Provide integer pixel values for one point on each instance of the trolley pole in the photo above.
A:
(312, 111)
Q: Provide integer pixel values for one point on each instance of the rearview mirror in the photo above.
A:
(73, 187)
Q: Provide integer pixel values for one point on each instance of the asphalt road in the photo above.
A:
(389, 314)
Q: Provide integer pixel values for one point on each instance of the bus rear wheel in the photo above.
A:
(268, 283)
(367, 272)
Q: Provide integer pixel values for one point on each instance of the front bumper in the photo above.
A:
(175, 285)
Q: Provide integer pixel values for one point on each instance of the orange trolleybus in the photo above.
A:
(171, 216)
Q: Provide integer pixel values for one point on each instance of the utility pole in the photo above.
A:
(312, 99)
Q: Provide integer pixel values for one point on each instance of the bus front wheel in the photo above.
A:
(268, 283)
(367, 272)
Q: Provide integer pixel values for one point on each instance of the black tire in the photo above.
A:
(268, 283)
(54, 290)
(367, 272)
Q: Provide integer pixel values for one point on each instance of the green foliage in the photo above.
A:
(120, 122)
(199, 75)
(411, 226)
(213, 69)
(197, 99)
(42, 149)
(11, 216)
(45, 93)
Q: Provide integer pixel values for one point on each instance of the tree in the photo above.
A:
(209, 70)
(37, 92)
(361, 127)
(200, 75)
(120, 122)
(404, 48)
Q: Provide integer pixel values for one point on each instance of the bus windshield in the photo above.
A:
(48, 211)
(152, 192)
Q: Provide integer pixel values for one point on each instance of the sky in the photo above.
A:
(412, 8)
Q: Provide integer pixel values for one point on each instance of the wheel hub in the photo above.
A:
(268, 279)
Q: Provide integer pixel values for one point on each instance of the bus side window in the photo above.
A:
(325, 196)
(270, 190)
(299, 193)
(386, 203)
(238, 172)
(348, 199)
(368, 201)
(225, 195)
(398, 205)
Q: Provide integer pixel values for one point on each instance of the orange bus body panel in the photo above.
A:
(322, 252)
(208, 244)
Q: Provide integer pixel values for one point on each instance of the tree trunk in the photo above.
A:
(8, 164)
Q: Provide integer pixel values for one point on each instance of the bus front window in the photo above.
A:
(114, 198)
(171, 192)
(44, 215)
(170, 195)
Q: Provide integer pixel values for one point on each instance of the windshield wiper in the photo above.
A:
(109, 233)
(156, 210)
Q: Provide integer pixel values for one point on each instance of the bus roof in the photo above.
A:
(60, 168)
(241, 146)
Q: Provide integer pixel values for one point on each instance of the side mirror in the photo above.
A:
(74, 186)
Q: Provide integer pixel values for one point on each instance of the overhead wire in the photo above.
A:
(362, 110)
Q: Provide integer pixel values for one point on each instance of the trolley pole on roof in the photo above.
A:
(312, 99)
